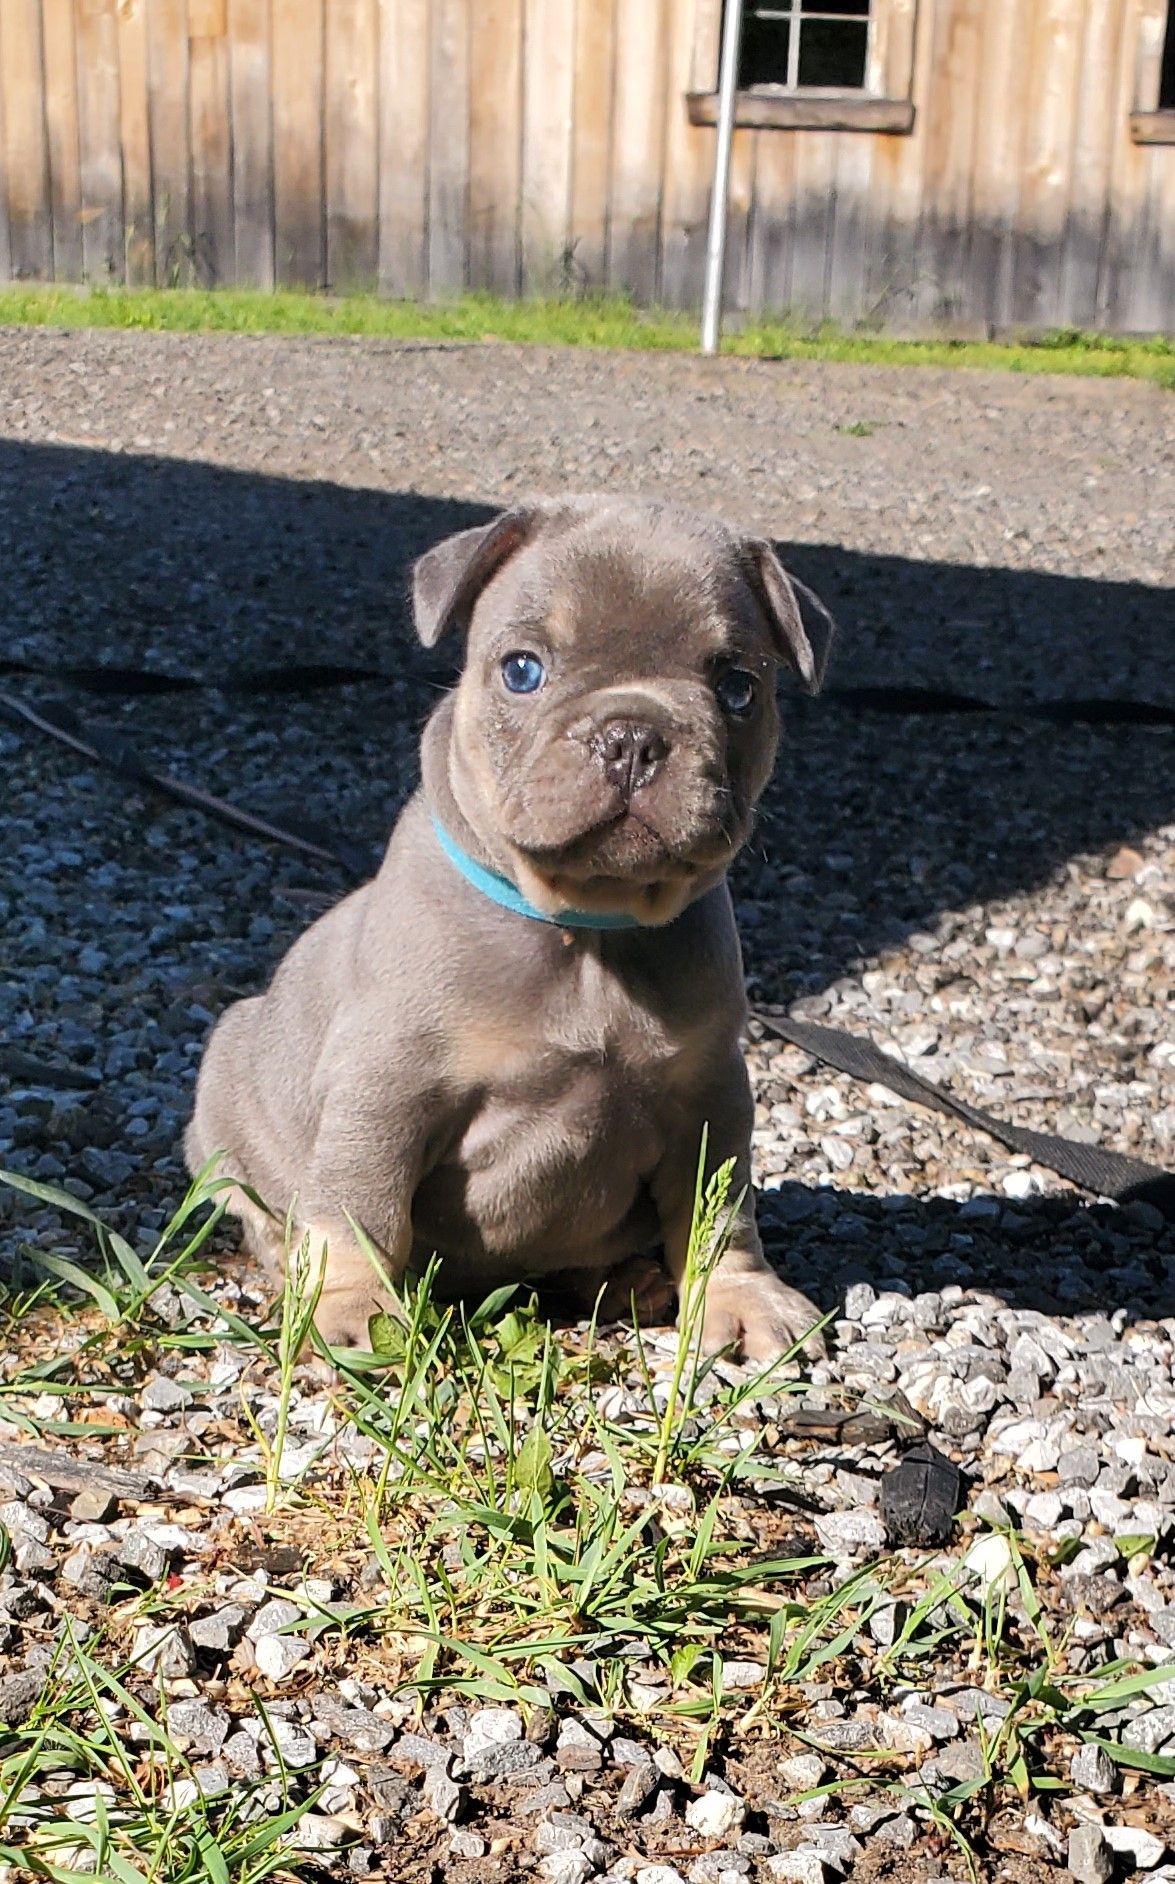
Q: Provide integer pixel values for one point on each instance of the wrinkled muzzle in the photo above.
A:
(627, 786)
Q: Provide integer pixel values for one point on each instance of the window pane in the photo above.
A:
(851, 9)
(832, 52)
(763, 60)
(1167, 75)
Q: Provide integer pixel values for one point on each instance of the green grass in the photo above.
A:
(538, 1537)
(590, 322)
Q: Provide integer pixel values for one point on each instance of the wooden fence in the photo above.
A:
(427, 146)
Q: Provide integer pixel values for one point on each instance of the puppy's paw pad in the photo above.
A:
(761, 1318)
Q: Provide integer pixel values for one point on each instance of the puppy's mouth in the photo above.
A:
(625, 865)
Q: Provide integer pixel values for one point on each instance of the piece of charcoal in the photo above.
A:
(920, 1497)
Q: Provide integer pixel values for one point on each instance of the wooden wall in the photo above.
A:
(427, 146)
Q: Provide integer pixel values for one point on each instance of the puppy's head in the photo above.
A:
(615, 720)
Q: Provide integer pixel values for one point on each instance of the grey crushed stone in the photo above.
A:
(954, 888)
(1090, 1857)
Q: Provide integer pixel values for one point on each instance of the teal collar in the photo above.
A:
(507, 895)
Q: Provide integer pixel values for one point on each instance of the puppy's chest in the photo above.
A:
(585, 1026)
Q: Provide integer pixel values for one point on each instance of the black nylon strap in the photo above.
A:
(58, 720)
(1106, 1173)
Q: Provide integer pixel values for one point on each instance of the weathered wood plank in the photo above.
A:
(547, 94)
(99, 140)
(736, 275)
(1047, 162)
(352, 144)
(167, 46)
(773, 225)
(297, 67)
(448, 161)
(249, 87)
(1085, 223)
(950, 129)
(62, 135)
(848, 261)
(1127, 205)
(1146, 175)
(770, 111)
(495, 143)
(134, 113)
(638, 147)
(1003, 105)
(213, 247)
(5, 250)
(594, 71)
(815, 210)
(902, 52)
(689, 158)
(26, 168)
(405, 39)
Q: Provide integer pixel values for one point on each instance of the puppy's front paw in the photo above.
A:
(343, 1319)
(759, 1317)
(351, 1289)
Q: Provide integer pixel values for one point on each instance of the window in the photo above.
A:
(811, 65)
(801, 44)
(1153, 119)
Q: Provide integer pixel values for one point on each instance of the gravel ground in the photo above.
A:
(991, 897)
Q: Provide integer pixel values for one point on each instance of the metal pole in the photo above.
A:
(732, 28)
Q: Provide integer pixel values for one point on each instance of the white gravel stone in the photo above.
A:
(715, 1814)
(990, 1561)
(277, 1656)
(803, 1771)
(272, 1616)
(1150, 1731)
(847, 1532)
(1092, 1770)
(567, 1867)
(297, 1747)
(1141, 1848)
(804, 1865)
(202, 1727)
(164, 1650)
(316, 1831)
(1090, 1857)
(742, 1675)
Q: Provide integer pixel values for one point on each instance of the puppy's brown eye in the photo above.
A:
(736, 692)
(523, 672)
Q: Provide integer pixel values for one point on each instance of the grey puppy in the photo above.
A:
(505, 1048)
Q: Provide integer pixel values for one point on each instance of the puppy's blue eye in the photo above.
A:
(736, 692)
(523, 672)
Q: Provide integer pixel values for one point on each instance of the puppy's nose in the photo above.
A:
(632, 754)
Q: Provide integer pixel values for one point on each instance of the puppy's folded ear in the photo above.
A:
(802, 627)
(448, 579)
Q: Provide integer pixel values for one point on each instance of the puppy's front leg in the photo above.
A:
(747, 1306)
(365, 1168)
